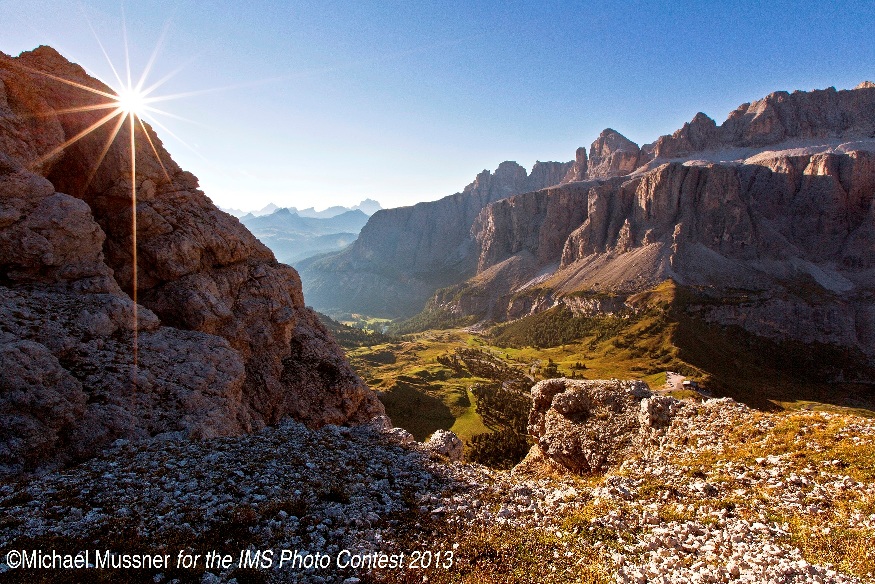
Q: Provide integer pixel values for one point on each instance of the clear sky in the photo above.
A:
(328, 102)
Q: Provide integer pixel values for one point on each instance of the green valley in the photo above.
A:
(437, 378)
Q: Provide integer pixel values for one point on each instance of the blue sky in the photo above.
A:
(329, 102)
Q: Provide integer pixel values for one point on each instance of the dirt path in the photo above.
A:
(673, 380)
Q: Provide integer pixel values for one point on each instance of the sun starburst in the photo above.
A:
(131, 102)
(126, 104)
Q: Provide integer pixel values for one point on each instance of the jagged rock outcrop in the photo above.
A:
(403, 255)
(219, 341)
(586, 426)
(778, 117)
(612, 154)
(697, 135)
(577, 172)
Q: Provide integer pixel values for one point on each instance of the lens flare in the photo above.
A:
(131, 102)
(128, 104)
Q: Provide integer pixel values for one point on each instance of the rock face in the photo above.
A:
(791, 226)
(403, 255)
(612, 154)
(218, 342)
(591, 425)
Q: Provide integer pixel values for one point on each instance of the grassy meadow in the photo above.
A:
(423, 394)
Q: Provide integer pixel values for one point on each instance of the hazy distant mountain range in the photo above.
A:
(293, 237)
(368, 207)
(295, 234)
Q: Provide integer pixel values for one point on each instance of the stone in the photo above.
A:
(445, 443)
(588, 426)
(215, 340)
(399, 436)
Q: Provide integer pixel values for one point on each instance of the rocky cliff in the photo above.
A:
(182, 326)
(403, 255)
(776, 222)
(824, 114)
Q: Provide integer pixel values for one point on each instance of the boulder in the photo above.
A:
(445, 443)
(586, 426)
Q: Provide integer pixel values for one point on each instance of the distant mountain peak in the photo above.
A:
(266, 210)
(368, 206)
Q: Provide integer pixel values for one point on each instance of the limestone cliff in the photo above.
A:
(403, 255)
(219, 341)
(790, 224)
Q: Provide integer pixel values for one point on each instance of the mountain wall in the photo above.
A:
(779, 229)
(218, 342)
(403, 255)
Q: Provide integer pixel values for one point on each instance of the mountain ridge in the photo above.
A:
(293, 237)
(773, 243)
(801, 123)
(402, 255)
(366, 206)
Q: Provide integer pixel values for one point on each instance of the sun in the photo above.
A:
(126, 104)
(131, 102)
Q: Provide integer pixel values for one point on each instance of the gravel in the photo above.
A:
(333, 489)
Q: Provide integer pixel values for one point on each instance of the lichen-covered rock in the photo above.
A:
(445, 443)
(205, 335)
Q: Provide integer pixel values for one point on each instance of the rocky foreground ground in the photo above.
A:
(730, 495)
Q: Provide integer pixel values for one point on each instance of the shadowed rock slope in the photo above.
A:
(220, 341)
